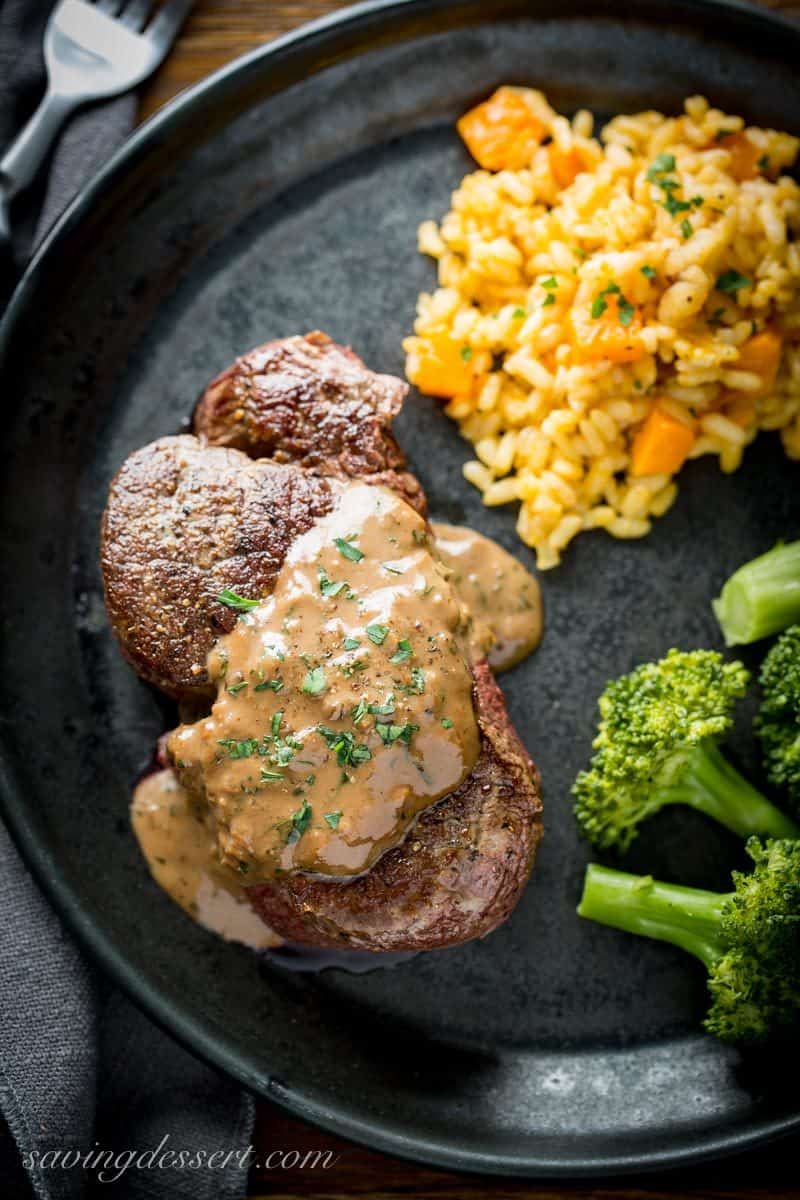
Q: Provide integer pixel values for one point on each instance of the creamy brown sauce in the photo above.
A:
(181, 852)
(498, 592)
(344, 701)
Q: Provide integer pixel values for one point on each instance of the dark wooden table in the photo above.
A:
(218, 31)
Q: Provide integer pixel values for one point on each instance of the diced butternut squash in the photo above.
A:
(661, 445)
(744, 155)
(441, 366)
(502, 133)
(761, 354)
(606, 336)
(565, 164)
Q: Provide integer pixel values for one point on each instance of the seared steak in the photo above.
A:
(457, 875)
(186, 520)
(183, 522)
(310, 401)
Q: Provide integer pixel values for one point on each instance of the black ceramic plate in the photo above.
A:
(280, 196)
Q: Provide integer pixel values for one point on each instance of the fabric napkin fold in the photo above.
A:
(85, 1077)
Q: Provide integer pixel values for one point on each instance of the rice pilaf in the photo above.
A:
(608, 308)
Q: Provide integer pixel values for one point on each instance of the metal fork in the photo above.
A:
(91, 50)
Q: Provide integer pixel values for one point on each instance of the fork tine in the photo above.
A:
(135, 13)
(165, 25)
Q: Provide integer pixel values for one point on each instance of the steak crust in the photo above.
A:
(459, 872)
(183, 522)
(312, 402)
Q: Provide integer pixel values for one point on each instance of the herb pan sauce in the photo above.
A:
(344, 704)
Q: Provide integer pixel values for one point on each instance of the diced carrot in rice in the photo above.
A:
(502, 133)
(661, 445)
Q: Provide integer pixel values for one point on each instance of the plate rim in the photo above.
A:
(215, 1047)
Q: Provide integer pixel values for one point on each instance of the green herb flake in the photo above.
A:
(599, 306)
(763, 163)
(403, 652)
(276, 723)
(548, 300)
(301, 819)
(235, 688)
(661, 165)
(731, 281)
(625, 312)
(397, 733)
(271, 776)
(552, 282)
(697, 201)
(519, 314)
(269, 685)
(359, 711)
(348, 550)
(378, 633)
(330, 587)
(648, 272)
(239, 747)
(333, 819)
(674, 206)
(447, 723)
(466, 353)
(315, 683)
(233, 600)
(344, 746)
(382, 710)
(686, 228)
(351, 643)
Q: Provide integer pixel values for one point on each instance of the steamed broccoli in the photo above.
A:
(778, 722)
(657, 746)
(749, 940)
(762, 597)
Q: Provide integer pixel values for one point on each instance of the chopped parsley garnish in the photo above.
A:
(447, 723)
(721, 134)
(359, 711)
(348, 550)
(417, 680)
(674, 206)
(763, 163)
(328, 586)
(396, 733)
(235, 688)
(344, 746)
(731, 281)
(240, 747)
(697, 201)
(271, 776)
(276, 723)
(301, 819)
(403, 652)
(351, 643)
(232, 599)
(466, 353)
(315, 682)
(377, 633)
(548, 300)
(382, 710)
(269, 685)
(661, 165)
(333, 819)
(519, 314)
(649, 272)
(625, 309)
(686, 227)
(552, 282)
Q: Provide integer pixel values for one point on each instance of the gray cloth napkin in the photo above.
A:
(81, 1070)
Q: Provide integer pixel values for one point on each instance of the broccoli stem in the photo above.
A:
(712, 786)
(762, 597)
(687, 917)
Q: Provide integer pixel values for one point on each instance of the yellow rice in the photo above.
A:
(554, 434)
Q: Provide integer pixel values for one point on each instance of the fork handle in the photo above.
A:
(25, 155)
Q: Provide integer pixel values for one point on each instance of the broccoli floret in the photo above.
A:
(778, 721)
(657, 745)
(749, 939)
(762, 597)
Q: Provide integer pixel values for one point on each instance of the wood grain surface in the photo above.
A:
(218, 31)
